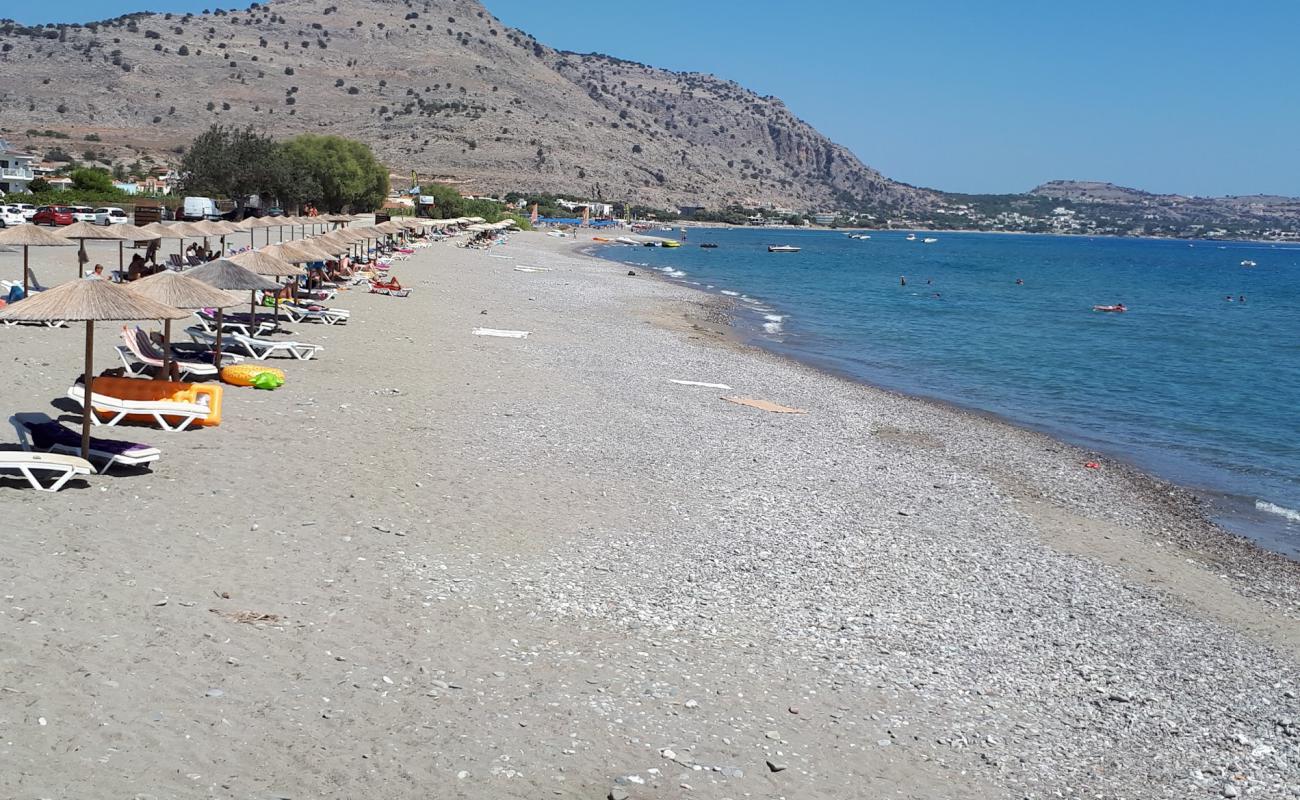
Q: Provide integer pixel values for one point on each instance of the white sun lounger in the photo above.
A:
(329, 316)
(108, 452)
(161, 410)
(28, 464)
(258, 348)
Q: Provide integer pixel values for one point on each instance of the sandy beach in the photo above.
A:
(435, 564)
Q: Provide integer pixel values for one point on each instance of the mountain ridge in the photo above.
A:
(442, 87)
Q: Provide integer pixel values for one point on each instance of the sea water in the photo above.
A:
(1193, 383)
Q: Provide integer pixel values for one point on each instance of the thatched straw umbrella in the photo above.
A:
(81, 231)
(268, 265)
(166, 232)
(226, 274)
(251, 224)
(89, 302)
(30, 236)
(179, 290)
(131, 233)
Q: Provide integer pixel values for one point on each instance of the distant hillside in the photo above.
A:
(1258, 216)
(441, 87)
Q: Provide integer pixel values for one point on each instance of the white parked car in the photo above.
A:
(11, 215)
(110, 216)
(28, 210)
(83, 214)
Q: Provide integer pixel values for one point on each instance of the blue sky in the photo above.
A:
(1192, 97)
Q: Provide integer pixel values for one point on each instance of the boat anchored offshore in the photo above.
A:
(1248, 263)
(1118, 308)
(911, 237)
(928, 240)
(782, 248)
(708, 246)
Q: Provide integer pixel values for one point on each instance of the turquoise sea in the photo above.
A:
(1186, 384)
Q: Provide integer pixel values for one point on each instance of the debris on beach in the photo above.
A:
(765, 405)
(248, 617)
(501, 333)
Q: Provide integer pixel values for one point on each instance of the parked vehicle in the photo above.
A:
(28, 210)
(10, 216)
(53, 215)
(199, 208)
(83, 213)
(110, 216)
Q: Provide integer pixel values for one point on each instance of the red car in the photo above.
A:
(53, 215)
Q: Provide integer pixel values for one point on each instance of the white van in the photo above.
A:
(199, 208)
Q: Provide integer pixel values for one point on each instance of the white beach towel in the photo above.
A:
(501, 333)
(698, 383)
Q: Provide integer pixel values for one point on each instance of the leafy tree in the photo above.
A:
(92, 179)
(233, 163)
(345, 172)
(447, 202)
(38, 186)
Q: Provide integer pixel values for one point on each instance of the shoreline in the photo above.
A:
(1246, 506)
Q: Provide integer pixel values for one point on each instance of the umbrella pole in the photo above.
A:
(82, 258)
(216, 350)
(252, 311)
(120, 247)
(167, 349)
(87, 410)
(25, 286)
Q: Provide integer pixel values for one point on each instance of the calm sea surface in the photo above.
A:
(1187, 385)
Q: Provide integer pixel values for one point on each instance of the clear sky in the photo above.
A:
(1186, 96)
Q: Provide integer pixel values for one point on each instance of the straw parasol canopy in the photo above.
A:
(226, 274)
(81, 231)
(90, 302)
(292, 252)
(264, 262)
(389, 227)
(30, 236)
(179, 291)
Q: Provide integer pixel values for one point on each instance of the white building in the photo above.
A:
(15, 169)
(825, 217)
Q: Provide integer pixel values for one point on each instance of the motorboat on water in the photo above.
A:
(670, 243)
(708, 246)
(859, 236)
(782, 248)
(911, 237)
(1248, 263)
(1118, 308)
(929, 240)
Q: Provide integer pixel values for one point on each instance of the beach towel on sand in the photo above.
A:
(764, 405)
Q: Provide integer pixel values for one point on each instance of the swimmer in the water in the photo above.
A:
(902, 280)
(1020, 282)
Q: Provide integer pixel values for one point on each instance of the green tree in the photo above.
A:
(233, 163)
(447, 202)
(38, 186)
(92, 179)
(342, 173)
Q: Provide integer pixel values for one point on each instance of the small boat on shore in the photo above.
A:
(1118, 308)
(627, 240)
(782, 248)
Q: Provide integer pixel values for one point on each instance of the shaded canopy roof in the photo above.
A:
(133, 234)
(88, 300)
(265, 263)
(32, 236)
(226, 274)
(86, 230)
(179, 290)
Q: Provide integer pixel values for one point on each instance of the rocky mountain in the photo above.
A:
(441, 87)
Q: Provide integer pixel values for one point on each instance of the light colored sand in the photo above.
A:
(524, 568)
